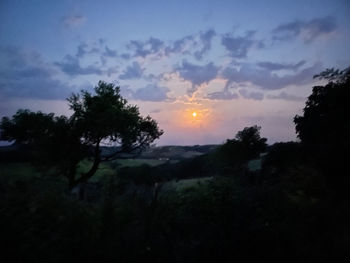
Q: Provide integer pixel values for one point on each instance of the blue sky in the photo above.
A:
(236, 63)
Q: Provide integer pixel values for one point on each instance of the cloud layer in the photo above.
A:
(197, 74)
(238, 46)
(26, 74)
(308, 31)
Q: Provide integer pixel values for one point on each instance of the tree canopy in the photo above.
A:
(246, 145)
(324, 127)
(104, 117)
(324, 120)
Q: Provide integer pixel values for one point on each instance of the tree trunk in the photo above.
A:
(81, 182)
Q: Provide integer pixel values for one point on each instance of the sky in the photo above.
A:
(234, 63)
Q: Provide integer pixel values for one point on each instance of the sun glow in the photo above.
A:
(198, 117)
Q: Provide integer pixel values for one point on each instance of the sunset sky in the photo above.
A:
(234, 63)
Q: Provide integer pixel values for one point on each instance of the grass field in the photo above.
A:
(104, 169)
(27, 170)
(186, 183)
(19, 170)
(138, 162)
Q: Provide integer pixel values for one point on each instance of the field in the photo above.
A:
(18, 169)
(26, 170)
(186, 183)
(138, 162)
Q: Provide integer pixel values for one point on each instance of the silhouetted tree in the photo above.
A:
(51, 140)
(103, 117)
(324, 127)
(324, 119)
(247, 145)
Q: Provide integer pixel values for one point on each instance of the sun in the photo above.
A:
(194, 114)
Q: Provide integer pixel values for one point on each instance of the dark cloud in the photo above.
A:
(105, 53)
(285, 96)
(251, 94)
(132, 72)
(25, 75)
(222, 95)
(205, 38)
(143, 49)
(180, 46)
(153, 78)
(268, 80)
(152, 92)
(279, 66)
(307, 30)
(197, 74)
(238, 47)
(71, 66)
(197, 45)
(125, 56)
(83, 49)
(71, 63)
(109, 52)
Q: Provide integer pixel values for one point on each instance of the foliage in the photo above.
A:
(107, 116)
(103, 117)
(52, 140)
(324, 117)
(324, 127)
(247, 145)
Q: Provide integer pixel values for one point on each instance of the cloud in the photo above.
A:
(98, 48)
(83, 49)
(74, 20)
(279, 66)
(285, 96)
(251, 95)
(71, 66)
(205, 38)
(24, 74)
(153, 78)
(132, 72)
(222, 95)
(143, 49)
(125, 56)
(180, 46)
(268, 80)
(109, 52)
(238, 47)
(197, 74)
(306, 30)
(152, 92)
(196, 44)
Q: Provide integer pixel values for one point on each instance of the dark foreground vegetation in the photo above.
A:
(215, 207)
